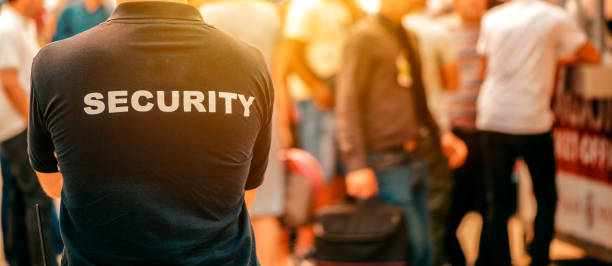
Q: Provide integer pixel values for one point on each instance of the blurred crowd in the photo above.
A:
(422, 104)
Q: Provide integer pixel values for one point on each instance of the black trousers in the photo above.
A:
(468, 193)
(500, 153)
(23, 244)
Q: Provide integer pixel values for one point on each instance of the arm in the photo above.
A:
(40, 145)
(282, 98)
(483, 67)
(51, 183)
(586, 54)
(249, 198)
(14, 91)
(294, 52)
(261, 151)
(298, 30)
(351, 83)
(453, 147)
(449, 67)
(572, 44)
(450, 76)
(261, 147)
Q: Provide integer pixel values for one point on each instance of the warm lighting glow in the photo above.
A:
(369, 6)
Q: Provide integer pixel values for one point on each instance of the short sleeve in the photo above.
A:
(297, 24)
(40, 146)
(569, 36)
(261, 153)
(261, 149)
(9, 49)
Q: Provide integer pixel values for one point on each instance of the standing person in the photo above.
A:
(468, 181)
(383, 119)
(309, 60)
(315, 31)
(160, 122)
(18, 45)
(439, 74)
(522, 42)
(258, 23)
(80, 16)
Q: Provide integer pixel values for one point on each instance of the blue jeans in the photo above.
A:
(58, 245)
(21, 235)
(404, 184)
(317, 136)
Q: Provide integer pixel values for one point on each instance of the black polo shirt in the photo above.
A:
(160, 122)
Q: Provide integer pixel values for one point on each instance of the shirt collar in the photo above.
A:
(156, 10)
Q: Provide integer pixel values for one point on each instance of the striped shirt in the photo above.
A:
(461, 103)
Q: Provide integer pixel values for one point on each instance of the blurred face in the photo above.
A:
(471, 9)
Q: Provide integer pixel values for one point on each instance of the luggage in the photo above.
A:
(371, 233)
(304, 181)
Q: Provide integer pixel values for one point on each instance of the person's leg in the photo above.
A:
(327, 144)
(56, 240)
(6, 192)
(468, 190)
(419, 172)
(538, 152)
(267, 207)
(308, 127)
(401, 186)
(317, 135)
(439, 196)
(26, 181)
(13, 228)
(499, 156)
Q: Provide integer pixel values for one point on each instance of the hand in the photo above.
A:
(322, 96)
(454, 149)
(362, 183)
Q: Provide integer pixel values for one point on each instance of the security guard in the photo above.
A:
(159, 123)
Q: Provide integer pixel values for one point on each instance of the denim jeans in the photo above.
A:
(21, 235)
(404, 183)
(317, 136)
(58, 245)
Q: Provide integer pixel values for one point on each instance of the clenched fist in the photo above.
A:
(362, 183)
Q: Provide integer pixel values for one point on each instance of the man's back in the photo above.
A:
(159, 122)
(523, 40)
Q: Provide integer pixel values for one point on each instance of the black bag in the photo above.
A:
(372, 233)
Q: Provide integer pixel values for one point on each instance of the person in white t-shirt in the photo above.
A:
(18, 46)
(523, 42)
